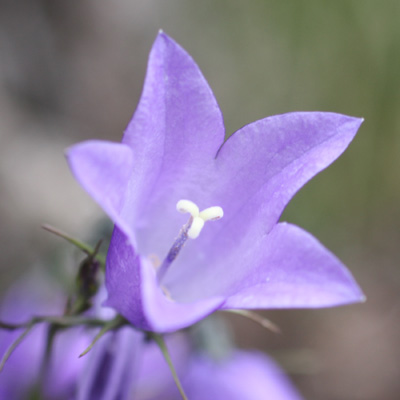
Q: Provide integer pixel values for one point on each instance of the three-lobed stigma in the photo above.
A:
(198, 217)
(190, 230)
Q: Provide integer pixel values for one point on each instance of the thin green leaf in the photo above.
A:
(115, 323)
(164, 350)
(77, 243)
(14, 345)
(264, 322)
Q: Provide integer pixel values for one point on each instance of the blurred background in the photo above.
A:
(71, 71)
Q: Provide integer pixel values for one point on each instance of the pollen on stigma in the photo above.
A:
(190, 230)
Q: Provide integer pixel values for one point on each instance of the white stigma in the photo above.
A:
(198, 218)
(187, 206)
(212, 213)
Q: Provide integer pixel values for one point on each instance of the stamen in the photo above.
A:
(190, 230)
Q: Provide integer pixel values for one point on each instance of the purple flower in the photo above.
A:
(123, 366)
(243, 376)
(110, 367)
(30, 297)
(173, 149)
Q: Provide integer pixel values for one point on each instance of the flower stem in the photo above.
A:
(55, 323)
(66, 321)
(52, 331)
(163, 347)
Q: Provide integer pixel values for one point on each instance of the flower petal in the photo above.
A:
(103, 169)
(134, 292)
(110, 367)
(258, 171)
(167, 315)
(289, 268)
(244, 375)
(263, 164)
(175, 132)
(124, 280)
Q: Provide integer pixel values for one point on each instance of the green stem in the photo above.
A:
(163, 347)
(51, 333)
(55, 323)
(67, 321)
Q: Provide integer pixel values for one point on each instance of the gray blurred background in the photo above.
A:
(71, 71)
